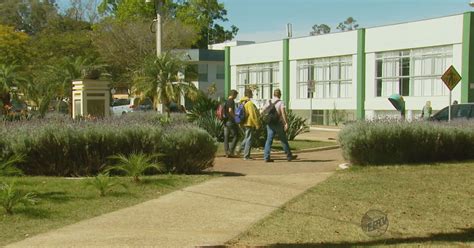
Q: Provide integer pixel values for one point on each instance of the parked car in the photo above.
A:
(458, 111)
(123, 106)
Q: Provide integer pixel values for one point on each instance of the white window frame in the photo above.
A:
(332, 76)
(261, 78)
(427, 65)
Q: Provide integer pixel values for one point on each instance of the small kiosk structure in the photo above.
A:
(91, 98)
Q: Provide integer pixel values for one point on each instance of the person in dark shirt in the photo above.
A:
(230, 127)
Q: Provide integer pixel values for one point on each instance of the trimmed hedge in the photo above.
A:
(61, 147)
(384, 142)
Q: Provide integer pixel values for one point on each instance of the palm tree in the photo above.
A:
(134, 165)
(70, 69)
(8, 80)
(158, 79)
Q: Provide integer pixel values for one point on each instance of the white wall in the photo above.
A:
(433, 32)
(318, 46)
(256, 53)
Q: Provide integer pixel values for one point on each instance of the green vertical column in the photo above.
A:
(227, 72)
(360, 74)
(286, 72)
(467, 94)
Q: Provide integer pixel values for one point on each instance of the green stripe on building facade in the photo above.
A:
(227, 72)
(467, 94)
(360, 74)
(286, 72)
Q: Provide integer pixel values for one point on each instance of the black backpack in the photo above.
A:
(270, 114)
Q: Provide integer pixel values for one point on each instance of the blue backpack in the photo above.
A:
(240, 113)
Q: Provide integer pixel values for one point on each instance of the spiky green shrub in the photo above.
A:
(7, 167)
(188, 149)
(10, 197)
(134, 165)
(104, 183)
(296, 125)
(388, 142)
(201, 107)
(209, 122)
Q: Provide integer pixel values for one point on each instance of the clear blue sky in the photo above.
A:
(264, 20)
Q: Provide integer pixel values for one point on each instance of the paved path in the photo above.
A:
(210, 213)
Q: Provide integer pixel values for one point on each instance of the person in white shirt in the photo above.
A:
(277, 127)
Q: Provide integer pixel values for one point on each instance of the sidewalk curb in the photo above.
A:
(323, 148)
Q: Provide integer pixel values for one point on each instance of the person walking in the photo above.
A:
(426, 111)
(278, 127)
(230, 127)
(250, 124)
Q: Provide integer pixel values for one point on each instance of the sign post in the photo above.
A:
(311, 85)
(450, 78)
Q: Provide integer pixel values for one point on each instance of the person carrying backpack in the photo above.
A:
(250, 123)
(277, 123)
(230, 127)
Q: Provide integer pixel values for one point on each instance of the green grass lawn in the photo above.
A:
(426, 205)
(66, 201)
(295, 145)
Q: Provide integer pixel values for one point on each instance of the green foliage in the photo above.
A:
(10, 197)
(158, 79)
(188, 150)
(384, 142)
(337, 116)
(7, 167)
(209, 122)
(13, 45)
(202, 106)
(135, 165)
(296, 125)
(61, 147)
(104, 183)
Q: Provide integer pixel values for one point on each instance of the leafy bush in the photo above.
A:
(384, 142)
(201, 106)
(134, 165)
(188, 149)
(296, 125)
(7, 167)
(103, 183)
(11, 197)
(209, 122)
(62, 147)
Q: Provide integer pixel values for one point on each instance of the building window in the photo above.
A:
(202, 72)
(261, 78)
(332, 77)
(220, 74)
(415, 72)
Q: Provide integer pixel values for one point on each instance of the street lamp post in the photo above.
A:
(158, 7)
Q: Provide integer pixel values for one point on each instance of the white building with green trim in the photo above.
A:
(355, 71)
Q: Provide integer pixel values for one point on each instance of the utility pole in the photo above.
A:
(158, 7)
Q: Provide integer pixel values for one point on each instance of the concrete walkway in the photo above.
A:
(210, 213)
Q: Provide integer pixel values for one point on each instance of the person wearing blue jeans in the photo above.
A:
(230, 127)
(250, 124)
(279, 128)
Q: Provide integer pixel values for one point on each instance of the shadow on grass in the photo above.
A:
(54, 196)
(466, 235)
(34, 212)
(306, 160)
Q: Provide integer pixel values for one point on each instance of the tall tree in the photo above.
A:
(9, 78)
(348, 25)
(13, 45)
(30, 16)
(320, 29)
(203, 15)
(158, 79)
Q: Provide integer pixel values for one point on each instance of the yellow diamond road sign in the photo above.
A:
(451, 77)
